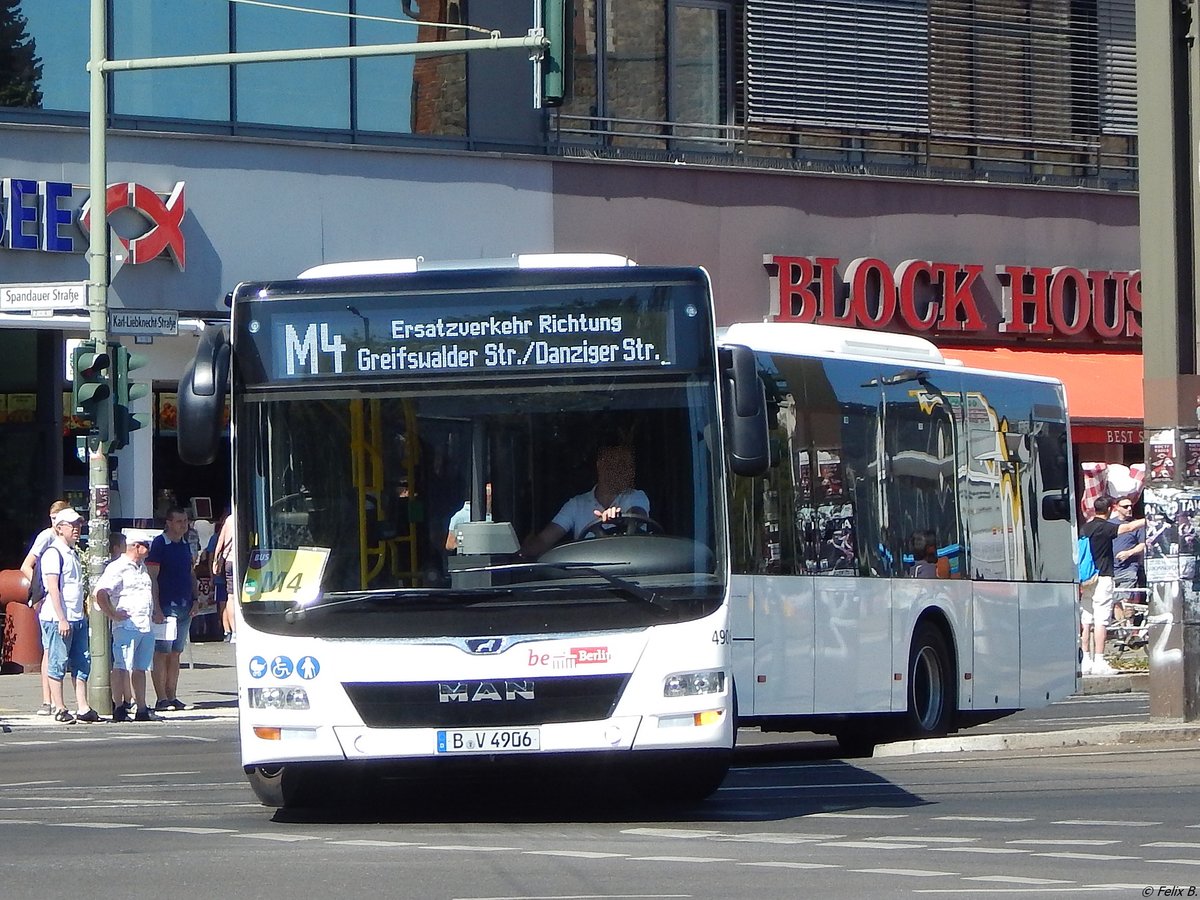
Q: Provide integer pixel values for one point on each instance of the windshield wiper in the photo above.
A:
(296, 613)
(627, 589)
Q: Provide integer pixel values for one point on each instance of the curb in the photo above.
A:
(28, 722)
(1099, 735)
(1115, 684)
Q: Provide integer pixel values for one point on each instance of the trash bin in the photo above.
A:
(22, 645)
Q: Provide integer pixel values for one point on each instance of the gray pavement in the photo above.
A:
(208, 684)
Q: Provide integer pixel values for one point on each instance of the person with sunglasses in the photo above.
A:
(1096, 595)
(1129, 550)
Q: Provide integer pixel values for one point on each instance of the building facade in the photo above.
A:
(960, 169)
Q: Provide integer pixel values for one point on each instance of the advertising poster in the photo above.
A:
(1171, 548)
(1191, 456)
(1161, 456)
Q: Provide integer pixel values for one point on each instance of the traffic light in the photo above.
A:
(554, 75)
(91, 390)
(124, 392)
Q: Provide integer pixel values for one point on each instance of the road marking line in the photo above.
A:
(1068, 842)
(1016, 879)
(922, 839)
(1056, 891)
(912, 873)
(457, 847)
(1106, 822)
(586, 897)
(1182, 845)
(188, 829)
(794, 787)
(839, 815)
(367, 843)
(790, 865)
(153, 774)
(682, 859)
(17, 784)
(1182, 862)
(573, 854)
(1066, 854)
(869, 845)
(282, 838)
(1002, 819)
(980, 850)
(774, 838)
(671, 832)
(92, 825)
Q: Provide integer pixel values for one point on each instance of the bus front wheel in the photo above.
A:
(931, 684)
(267, 784)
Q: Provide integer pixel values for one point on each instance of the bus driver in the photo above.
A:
(612, 497)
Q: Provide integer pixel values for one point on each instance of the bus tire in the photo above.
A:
(857, 741)
(686, 780)
(300, 786)
(931, 684)
(267, 784)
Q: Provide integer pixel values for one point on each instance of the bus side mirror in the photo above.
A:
(745, 406)
(202, 393)
(1056, 509)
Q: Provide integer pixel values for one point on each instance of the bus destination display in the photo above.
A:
(421, 341)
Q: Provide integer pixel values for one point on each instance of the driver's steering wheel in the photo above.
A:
(626, 523)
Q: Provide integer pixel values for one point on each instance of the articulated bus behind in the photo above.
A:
(884, 453)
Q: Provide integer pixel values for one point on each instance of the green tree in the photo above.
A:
(20, 67)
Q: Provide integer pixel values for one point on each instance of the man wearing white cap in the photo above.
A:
(64, 626)
(124, 594)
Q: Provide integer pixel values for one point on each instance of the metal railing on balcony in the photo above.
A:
(1101, 162)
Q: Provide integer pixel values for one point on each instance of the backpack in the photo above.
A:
(37, 589)
(1087, 565)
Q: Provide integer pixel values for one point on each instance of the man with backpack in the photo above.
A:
(1096, 594)
(64, 624)
(28, 568)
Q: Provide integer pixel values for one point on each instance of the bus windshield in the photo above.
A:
(371, 485)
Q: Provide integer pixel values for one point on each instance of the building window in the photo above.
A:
(143, 28)
(314, 93)
(57, 34)
(700, 84)
(857, 63)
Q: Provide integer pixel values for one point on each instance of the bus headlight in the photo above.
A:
(691, 684)
(278, 698)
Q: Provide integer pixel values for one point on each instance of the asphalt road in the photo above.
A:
(123, 813)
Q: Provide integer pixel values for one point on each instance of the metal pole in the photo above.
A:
(1168, 75)
(99, 690)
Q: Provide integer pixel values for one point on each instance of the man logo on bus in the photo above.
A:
(304, 352)
(478, 691)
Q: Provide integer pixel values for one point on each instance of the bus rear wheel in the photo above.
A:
(931, 684)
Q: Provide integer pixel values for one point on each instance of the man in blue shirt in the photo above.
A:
(173, 579)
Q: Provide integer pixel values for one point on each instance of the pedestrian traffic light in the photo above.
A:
(124, 393)
(554, 73)
(91, 390)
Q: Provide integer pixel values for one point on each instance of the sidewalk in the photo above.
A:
(207, 684)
